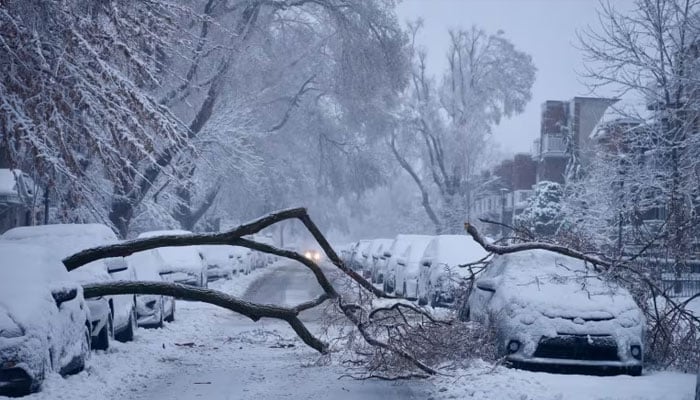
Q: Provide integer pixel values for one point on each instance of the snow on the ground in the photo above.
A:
(195, 337)
(484, 382)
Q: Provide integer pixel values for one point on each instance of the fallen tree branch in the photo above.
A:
(514, 248)
(251, 310)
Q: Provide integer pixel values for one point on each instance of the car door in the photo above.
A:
(480, 298)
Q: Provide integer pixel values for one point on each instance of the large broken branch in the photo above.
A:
(215, 297)
(234, 237)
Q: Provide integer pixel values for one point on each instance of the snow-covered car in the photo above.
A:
(219, 259)
(440, 275)
(408, 268)
(396, 251)
(151, 310)
(357, 260)
(182, 264)
(553, 312)
(376, 256)
(268, 258)
(243, 259)
(112, 316)
(44, 320)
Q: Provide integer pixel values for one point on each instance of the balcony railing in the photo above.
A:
(553, 145)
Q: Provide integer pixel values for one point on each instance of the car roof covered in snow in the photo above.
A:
(180, 258)
(27, 275)
(454, 250)
(62, 240)
(416, 248)
(557, 285)
(146, 264)
(401, 243)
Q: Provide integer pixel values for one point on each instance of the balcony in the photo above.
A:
(553, 146)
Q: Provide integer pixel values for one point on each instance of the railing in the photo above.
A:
(683, 285)
(553, 145)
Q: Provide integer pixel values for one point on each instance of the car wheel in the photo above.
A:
(636, 370)
(103, 337)
(422, 300)
(127, 334)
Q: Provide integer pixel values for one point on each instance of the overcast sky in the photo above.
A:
(545, 29)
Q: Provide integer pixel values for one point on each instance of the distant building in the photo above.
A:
(565, 132)
(17, 199)
(509, 187)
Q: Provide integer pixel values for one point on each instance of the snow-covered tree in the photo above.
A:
(442, 138)
(646, 172)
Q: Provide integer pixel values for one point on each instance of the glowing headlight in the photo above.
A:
(308, 255)
(317, 256)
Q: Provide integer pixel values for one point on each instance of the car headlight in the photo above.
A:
(317, 256)
(513, 346)
(636, 351)
(308, 255)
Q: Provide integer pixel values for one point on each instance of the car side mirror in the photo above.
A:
(116, 265)
(387, 254)
(426, 262)
(401, 261)
(60, 296)
(486, 284)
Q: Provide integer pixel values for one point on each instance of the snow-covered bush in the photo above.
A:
(542, 216)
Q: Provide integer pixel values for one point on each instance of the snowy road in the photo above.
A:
(261, 370)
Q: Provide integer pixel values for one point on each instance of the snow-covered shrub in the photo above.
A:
(542, 216)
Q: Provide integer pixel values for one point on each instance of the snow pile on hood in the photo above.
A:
(62, 240)
(414, 253)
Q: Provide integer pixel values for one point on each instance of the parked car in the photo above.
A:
(183, 264)
(440, 275)
(44, 320)
(367, 258)
(357, 260)
(376, 255)
(112, 316)
(408, 268)
(151, 310)
(554, 312)
(398, 249)
(220, 263)
(243, 259)
(380, 266)
(266, 257)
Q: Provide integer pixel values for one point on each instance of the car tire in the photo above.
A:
(127, 335)
(103, 337)
(635, 371)
(422, 301)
